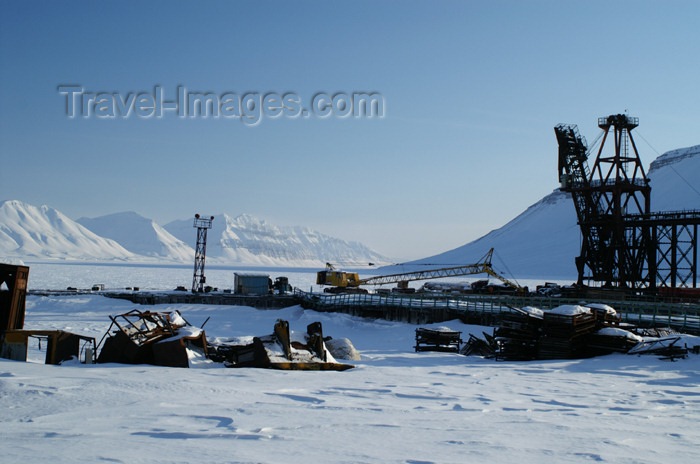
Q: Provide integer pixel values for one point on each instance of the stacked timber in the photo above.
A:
(567, 331)
(611, 340)
(438, 339)
(517, 336)
(573, 331)
(564, 331)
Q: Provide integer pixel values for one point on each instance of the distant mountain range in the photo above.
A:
(29, 233)
(543, 241)
(246, 239)
(140, 235)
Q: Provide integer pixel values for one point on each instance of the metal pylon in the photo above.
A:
(200, 252)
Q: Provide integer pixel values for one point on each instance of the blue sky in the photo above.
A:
(472, 91)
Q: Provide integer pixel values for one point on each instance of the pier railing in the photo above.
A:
(422, 308)
(435, 307)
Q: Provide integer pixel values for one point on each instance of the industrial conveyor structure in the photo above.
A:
(341, 281)
(624, 244)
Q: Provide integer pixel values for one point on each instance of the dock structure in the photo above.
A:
(255, 301)
(489, 309)
(421, 308)
(175, 297)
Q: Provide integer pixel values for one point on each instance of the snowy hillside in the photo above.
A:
(139, 235)
(675, 180)
(539, 243)
(251, 241)
(543, 241)
(28, 231)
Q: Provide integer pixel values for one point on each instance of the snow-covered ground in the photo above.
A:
(396, 406)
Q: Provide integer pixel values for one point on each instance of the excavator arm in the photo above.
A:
(496, 275)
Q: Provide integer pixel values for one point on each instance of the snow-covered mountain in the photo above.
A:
(139, 235)
(675, 180)
(42, 233)
(543, 241)
(28, 231)
(248, 240)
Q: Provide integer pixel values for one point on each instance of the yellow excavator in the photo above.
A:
(350, 282)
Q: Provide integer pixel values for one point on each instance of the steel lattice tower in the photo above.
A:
(200, 252)
(623, 244)
(622, 189)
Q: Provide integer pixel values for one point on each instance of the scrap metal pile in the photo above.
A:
(160, 338)
(571, 331)
(281, 350)
(167, 339)
(145, 337)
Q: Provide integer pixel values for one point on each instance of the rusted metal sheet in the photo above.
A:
(281, 332)
(60, 345)
(13, 346)
(174, 352)
(315, 340)
(12, 300)
(146, 337)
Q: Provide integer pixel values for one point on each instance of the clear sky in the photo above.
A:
(472, 91)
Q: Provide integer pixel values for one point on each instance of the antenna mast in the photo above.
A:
(202, 225)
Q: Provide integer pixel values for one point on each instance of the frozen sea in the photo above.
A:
(55, 276)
